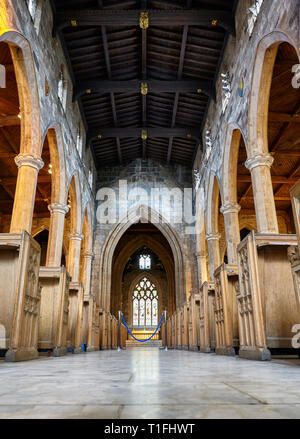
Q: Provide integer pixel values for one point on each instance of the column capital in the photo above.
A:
(259, 160)
(88, 255)
(59, 208)
(29, 160)
(230, 208)
(200, 255)
(213, 237)
(76, 236)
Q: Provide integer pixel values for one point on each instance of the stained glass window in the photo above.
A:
(145, 262)
(145, 304)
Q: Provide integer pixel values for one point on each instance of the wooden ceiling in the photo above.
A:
(110, 56)
(9, 132)
(283, 136)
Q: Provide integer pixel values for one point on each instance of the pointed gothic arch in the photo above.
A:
(135, 214)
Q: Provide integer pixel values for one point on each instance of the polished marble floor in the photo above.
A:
(149, 383)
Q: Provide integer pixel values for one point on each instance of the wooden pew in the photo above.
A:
(114, 334)
(54, 311)
(103, 330)
(267, 304)
(123, 336)
(76, 293)
(169, 333)
(226, 319)
(294, 253)
(19, 295)
(174, 331)
(185, 326)
(206, 333)
(178, 328)
(194, 323)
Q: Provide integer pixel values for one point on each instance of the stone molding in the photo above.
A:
(76, 236)
(58, 208)
(29, 160)
(230, 208)
(88, 255)
(259, 160)
(200, 255)
(213, 237)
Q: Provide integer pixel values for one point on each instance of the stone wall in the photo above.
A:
(148, 174)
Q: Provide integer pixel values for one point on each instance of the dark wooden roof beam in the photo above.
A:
(188, 17)
(104, 133)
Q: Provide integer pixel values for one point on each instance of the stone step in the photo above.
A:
(147, 344)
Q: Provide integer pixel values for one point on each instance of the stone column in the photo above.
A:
(74, 255)
(56, 234)
(202, 267)
(232, 230)
(260, 168)
(86, 273)
(29, 166)
(213, 243)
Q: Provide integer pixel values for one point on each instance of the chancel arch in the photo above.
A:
(106, 258)
(142, 239)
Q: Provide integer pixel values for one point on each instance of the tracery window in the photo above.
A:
(145, 304)
(145, 262)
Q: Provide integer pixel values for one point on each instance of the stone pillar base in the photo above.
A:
(104, 348)
(254, 353)
(90, 349)
(21, 355)
(206, 350)
(229, 351)
(77, 351)
(60, 351)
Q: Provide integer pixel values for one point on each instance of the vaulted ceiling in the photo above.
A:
(143, 72)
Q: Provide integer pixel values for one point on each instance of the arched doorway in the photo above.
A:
(142, 251)
(174, 256)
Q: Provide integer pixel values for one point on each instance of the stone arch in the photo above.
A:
(87, 227)
(40, 229)
(113, 238)
(214, 195)
(27, 89)
(260, 89)
(57, 157)
(159, 250)
(74, 190)
(230, 160)
(201, 244)
(212, 223)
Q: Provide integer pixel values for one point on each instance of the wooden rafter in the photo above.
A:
(186, 17)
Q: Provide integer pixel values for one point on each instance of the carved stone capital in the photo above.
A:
(88, 255)
(76, 236)
(58, 208)
(29, 160)
(230, 208)
(259, 160)
(213, 237)
(200, 255)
